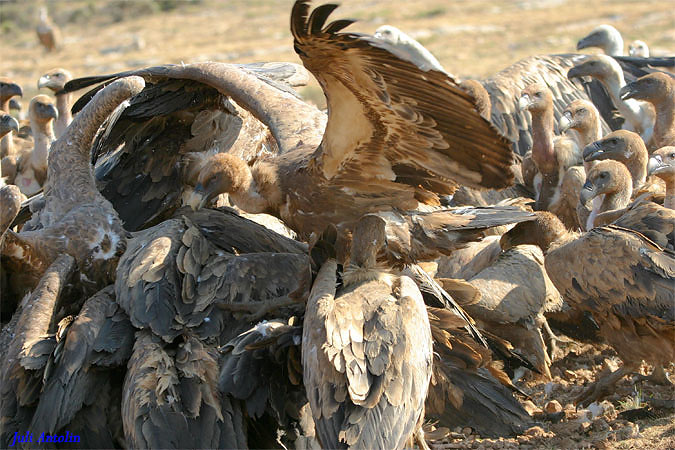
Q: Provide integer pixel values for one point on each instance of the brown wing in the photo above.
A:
(100, 336)
(627, 282)
(390, 120)
(653, 221)
(170, 398)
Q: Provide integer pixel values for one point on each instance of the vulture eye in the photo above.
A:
(671, 155)
(603, 175)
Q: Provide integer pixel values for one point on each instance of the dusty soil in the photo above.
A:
(636, 416)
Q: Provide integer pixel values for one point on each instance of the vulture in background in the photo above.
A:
(48, 33)
(28, 168)
(367, 349)
(605, 37)
(7, 125)
(662, 165)
(624, 279)
(610, 181)
(75, 218)
(413, 50)
(154, 155)
(638, 49)
(55, 80)
(554, 158)
(638, 116)
(8, 89)
(659, 90)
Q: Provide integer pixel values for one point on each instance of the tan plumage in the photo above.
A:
(582, 117)
(659, 90)
(28, 169)
(55, 80)
(624, 279)
(662, 165)
(605, 37)
(515, 293)
(75, 218)
(611, 181)
(367, 350)
(554, 157)
(10, 203)
(466, 262)
(623, 146)
(29, 350)
(639, 116)
(48, 33)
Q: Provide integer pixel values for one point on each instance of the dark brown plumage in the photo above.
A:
(29, 350)
(622, 278)
(367, 350)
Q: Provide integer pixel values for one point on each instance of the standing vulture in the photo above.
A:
(48, 33)
(624, 279)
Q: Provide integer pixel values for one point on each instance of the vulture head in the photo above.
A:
(602, 67)
(623, 146)
(480, 96)
(662, 164)
(390, 34)
(535, 98)
(638, 49)
(651, 88)
(41, 110)
(7, 123)
(607, 177)
(541, 231)
(55, 79)
(15, 105)
(580, 115)
(8, 89)
(221, 173)
(368, 238)
(605, 37)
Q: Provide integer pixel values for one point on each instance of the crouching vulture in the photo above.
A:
(624, 279)
(367, 349)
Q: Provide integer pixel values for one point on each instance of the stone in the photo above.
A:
(553, 407)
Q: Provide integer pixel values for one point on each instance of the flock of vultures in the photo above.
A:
(195, 257)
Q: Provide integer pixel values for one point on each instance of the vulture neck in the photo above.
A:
(612, 207)
(43, 136)
(65, 117)
(664, 125)
(542, 140)
(669, 200)
(589, 132)
(630, 108)
(637, 166)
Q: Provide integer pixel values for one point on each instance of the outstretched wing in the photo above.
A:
(389, 119)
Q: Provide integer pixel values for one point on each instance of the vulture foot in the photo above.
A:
(420, 440)
(552, 340)
(258, 310)
(604, 386)
(658, 376)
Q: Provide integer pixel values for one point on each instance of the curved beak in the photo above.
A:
(524, 102)
(51, 112)
(655, 165)
(585, 42)
(593, 151)
(628, 91)
(204, 195)
(8, 124)
(44, 81)
(11, 90)
(587, 192)
(565, 122)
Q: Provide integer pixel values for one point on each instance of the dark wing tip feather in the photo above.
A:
(317, 18)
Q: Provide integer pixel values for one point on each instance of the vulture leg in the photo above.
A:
(603, 386)
(658, 376)
(552, 340)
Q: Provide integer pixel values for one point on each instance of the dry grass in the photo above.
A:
(470, 37)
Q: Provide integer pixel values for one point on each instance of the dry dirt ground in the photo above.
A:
(471, 38)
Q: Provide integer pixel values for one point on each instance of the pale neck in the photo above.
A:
(638, 171)
(589, 133)
(616, 200)
(669, 201)
(63, 107)
(43, 136)
(665, 118)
